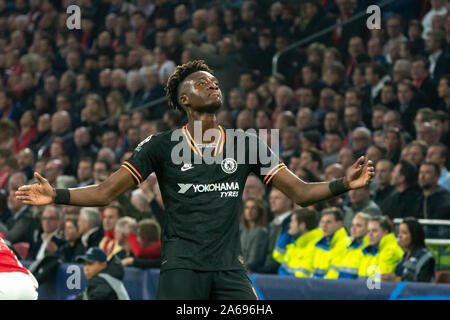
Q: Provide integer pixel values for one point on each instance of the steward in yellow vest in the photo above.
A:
(329, 249)
(294, 249)
(349, 263)
(383, 252)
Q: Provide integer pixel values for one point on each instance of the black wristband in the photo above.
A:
(62, 196)
(337, 187)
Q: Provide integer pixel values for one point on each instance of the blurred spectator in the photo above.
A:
(104, 278)
(111, 214)
(405, 199)
(28, 131)
(73, 247)
(49, 240)
(438, 154)
(85, 172)
(254, 235)
(383, 253)
(350, 260)
(281, 207)
(21, 224)
(146, 243)
(417, 263)
(294, 249)
(435, 200)
(331, 247)
(360, 202)
(383, 174)
(90, 227)
(253, 188)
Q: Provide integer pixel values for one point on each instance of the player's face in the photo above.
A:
(200, 92)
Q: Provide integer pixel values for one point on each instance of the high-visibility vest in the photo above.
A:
(326, 255)
(381, 258)
(296, 257)
(349, 263)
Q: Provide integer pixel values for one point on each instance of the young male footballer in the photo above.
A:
(201, 174)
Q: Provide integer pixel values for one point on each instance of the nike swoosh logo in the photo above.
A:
(186, 168)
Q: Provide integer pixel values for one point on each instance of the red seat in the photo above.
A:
(442, 276)
(22, 248)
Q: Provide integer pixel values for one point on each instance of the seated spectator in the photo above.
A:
(253, 188)
(328, 250)
(73, 246)
(49, 240)
(281, 207)
(383, 173)
(21, 224)
(294, 249)
(406, 197)
(360, 202)
(383, 252)
(104, 278)
(437, 153)
(28, 131)
(435, 200)
(254, 235)
(351, 258)
(333, 143)
(111, 214)
(417, 263)
(90, 227)
(146, 243)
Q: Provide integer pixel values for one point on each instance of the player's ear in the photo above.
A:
(184, 100)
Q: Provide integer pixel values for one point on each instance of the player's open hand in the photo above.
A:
(360, 173)
(38, 194)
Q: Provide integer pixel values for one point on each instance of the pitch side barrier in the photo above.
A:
(142, 285)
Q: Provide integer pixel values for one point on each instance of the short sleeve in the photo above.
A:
(143, 161)
(268, 164)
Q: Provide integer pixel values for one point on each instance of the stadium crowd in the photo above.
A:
(74, 104)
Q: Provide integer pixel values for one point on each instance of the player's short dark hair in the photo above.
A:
(308, 216)
(177, 77)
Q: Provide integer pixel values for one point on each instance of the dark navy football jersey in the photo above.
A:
(202, 194)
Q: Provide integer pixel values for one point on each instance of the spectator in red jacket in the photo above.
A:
(146, 242)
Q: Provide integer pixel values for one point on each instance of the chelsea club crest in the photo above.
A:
(229, 165)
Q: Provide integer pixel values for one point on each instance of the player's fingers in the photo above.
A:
(359, 162)
(24, 188)
(39, 177)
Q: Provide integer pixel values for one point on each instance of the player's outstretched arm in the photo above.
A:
(42, 193)
(305, 194)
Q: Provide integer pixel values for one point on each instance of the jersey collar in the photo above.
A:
(194, 146)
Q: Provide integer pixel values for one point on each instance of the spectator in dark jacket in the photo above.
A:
(104, 278)
(21, 223)
(405, 200)
(73, 246)
(435, 200)
(417, 263)
(254, 235)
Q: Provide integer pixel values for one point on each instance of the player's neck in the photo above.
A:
(207, 121)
